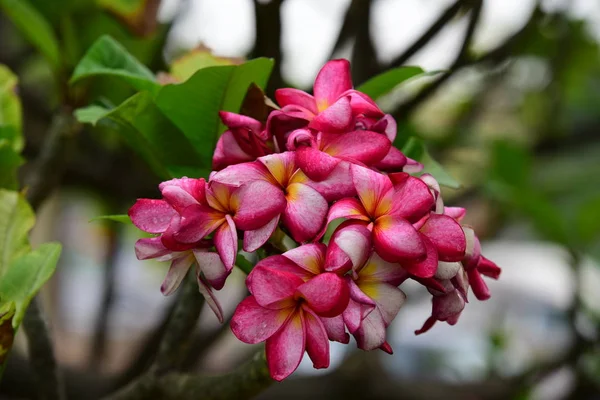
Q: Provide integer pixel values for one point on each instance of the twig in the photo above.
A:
(429, 34)
(364, 59)
(202, 343)
(268, 38)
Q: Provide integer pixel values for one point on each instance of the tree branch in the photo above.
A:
(268, 38)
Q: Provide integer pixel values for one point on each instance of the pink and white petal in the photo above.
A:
(305, 212)
(316, 164)
(488, 268)
(472, 249)
(310, 257)
(448, 305)
(386, 347)
(447, 270)
(233, 120)
(239, 174)
(226, 242)
(412, 198)
(376, 269)
(272, 288)
(151, 215)
(212, 268)
(457, 213)
(374, 189)
(287, 96)
(349, 247)
(336, 118)
(371, 333)
(281, 263)
(363, 104)
(326, 294)
(387, 125)
(364, 147)
(388, 297)
(285, 348)
(426, 267)
(178, 198)
(412, 166)
(478, 285)
(395, 239)
(256, 204)
(218, 195)
(429, 322)
(336, 186)
(195, 187)
(228, 152)
(281, 166)
(359, 306)
(331, 81)
(197, 221)
(394, 160)
(177, 272)
(255, 238)
(347, 208)
(447, 236)
(147, 248)
(253, 324)
(336, 329)
(317, 343)
(210, 298)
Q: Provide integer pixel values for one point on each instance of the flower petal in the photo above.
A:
(488, 268)
(336, 330)
(305, 212)
(363, 104)
(446, 235)
(197, 221)
(239, 174)
(233, 120)
(395, 239)
(272, 288)
(371, 333)
(447, 270)
(281, 166)
(394, 160)
(147, 248)
(478, 285)
(286, 348)
(349, 247)
(310, 257)
(256, 204)
(376, 269)
(228, 152)
(317, 343)
(447, 306)
(209, 296)
(363, 147)
(412, 198)
(456, 213)
(284, 264)
(374, 189)
(226, 242)
(389, 298)
(150, 215)
(177, 272)
(326, 294)
(317, 165)
(287, 96)
(253, 324)
(359, 306)
(331, 81)
(336, 186)
(254, 239)
(195, 187)
(212, 268)
(423, 268)
(336, 118)
(178, 198)
(426, 326)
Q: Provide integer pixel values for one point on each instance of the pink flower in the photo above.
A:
(161, 217)
(245, 140)
(253, 208)
(389, 213)
(292, 300)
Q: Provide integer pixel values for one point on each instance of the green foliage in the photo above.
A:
(122, 218)
(16, 220)
(185, 66)
(108, 57)
(385, 82)
(588, 220)
(243, 263)
(415, 148)
(10, 110)
(9, 163)
(34, 27)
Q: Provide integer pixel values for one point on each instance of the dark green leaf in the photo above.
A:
(385, 82)
(122, 218)
(10, 109)
(26, 276)
(108, 57)
(34, 27)
(16, 220)
(9, 163)
(243, 263)
(510, 164)
(588, 220)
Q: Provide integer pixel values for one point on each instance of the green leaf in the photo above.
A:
(146, 130)
(415, 148)
(122, 218)
(26, 276)
(34, 27)
(194, 105)
(7, 332)
(510, 164)
(91, 114)
(188, 64)
(16, 220)
(9, 164)
(10, 109)
(386, 82)
(108, 57)
(243, 263)
(588, 220)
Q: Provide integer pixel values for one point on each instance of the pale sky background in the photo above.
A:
(310, 28)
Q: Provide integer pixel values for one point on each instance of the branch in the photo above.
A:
(429, 34)
(268, 38)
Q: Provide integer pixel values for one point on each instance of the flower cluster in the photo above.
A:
(316, 160)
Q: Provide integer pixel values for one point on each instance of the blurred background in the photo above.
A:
(511, 110)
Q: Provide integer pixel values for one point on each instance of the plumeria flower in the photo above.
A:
(245, 140)
(161, 217)
(253, 208)
(305, 208)
(289, 303)
(389, 212)
(477, 265)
